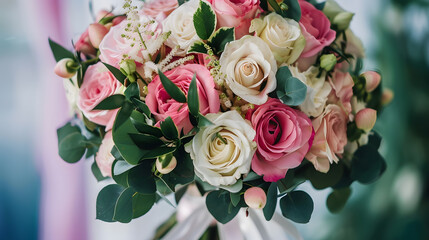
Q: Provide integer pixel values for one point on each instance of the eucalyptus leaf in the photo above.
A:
(142, 203)
(270, 206)
(124, 206)
(121, 167)
(112, 102)
(106, 202)
(297, 206)
(142, 179)
(174, 91)
(338, 199)
(367, 165)
(97, 173)
(122, 178)
(235, 198)
(204, 20)
(220, 206)
(71, 143)
(290, 90)
(146, 141)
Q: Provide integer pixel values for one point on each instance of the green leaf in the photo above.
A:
(180, 193)
(297, 206)
(198, 47)
(169, 129)
(106, 202)
(290, 90)
(275, 6)
(270, 207)
(220, 38)
(338, 199)
(71, 143)
(251, 176)
(220, 206)
(142, 179)
(174, 91)
(121, 167)
(141, 125)
(132, 91)
(117, 73)
(193, 101)
(122, 178)
(294, 10)
(367, 165)
(235, 198)
(204, 21)
(123, 114)
(203, 121)
(88, 124)
(124, 206)
(264, 5)
(324, 180)
(59, 51)
(181, 2)
(290, 182)
(112, 102)
(97, 173)
(145, 141)
(141, 106)
(142, 203)
(154, 153)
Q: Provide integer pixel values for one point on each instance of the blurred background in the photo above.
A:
(43, 198)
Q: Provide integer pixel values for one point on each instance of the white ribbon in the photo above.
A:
(194, 219)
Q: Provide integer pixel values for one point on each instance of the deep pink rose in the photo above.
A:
(114, 46)
(316, 29)
(283, 135)
(159, 9)
(330, 137)
(84, 45)
(98, 84)
(104, 157)
(342, 90)
(235, 13)
(162, 105)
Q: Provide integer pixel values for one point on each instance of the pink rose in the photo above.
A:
(342, 90)
(283, 135)
(114, 46)
(98, 84)
(104, 157)
(159, 9)
(316, 29)
(162, 105)
(330, 137)
(84, 45)
(235, 13)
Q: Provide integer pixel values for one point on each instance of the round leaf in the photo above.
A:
(220, 206)
(124, 206)
(338, 199)
(297, 206)
(106, 202)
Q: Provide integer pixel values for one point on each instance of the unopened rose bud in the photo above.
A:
(328, 61)
(128, 66)
(96, 33)
(387, 96)
(366, 118)
(372, 80)
(172, 163)
(84, 45)
(342, 20)
(103, 14)
(66, 68)
(255, 197)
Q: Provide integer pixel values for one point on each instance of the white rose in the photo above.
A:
(72, 94)
(181, 25)
(318, 90)
(250, 69)
(283, 36)
(222, 152)
(104, 157)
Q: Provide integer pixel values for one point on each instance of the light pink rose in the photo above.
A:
(236, 13)
(104, 157)
(283, 135)
(330, 137)
(342, 90)
(316, 29)
(114, 46)
(98, 84)
(162, 105)
(159, 9)
(84, 45)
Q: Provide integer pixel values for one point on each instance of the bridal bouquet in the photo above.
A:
(245, 100)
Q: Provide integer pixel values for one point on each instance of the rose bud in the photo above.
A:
(128, 66)
(372, 80)
(96, 33)
(328, 61)
(103, 14)
(66, 68)
(84, 46)
(366, 118)
(255, 198)
(171, 165)
(387, 96)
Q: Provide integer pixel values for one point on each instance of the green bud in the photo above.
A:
(328, 61)
(342, 20)
(128, 66)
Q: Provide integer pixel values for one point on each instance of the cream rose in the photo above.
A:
(181, 25)
(250, 69)
(72, 94)
(318, 90)
(283, 36)
(222, 152)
